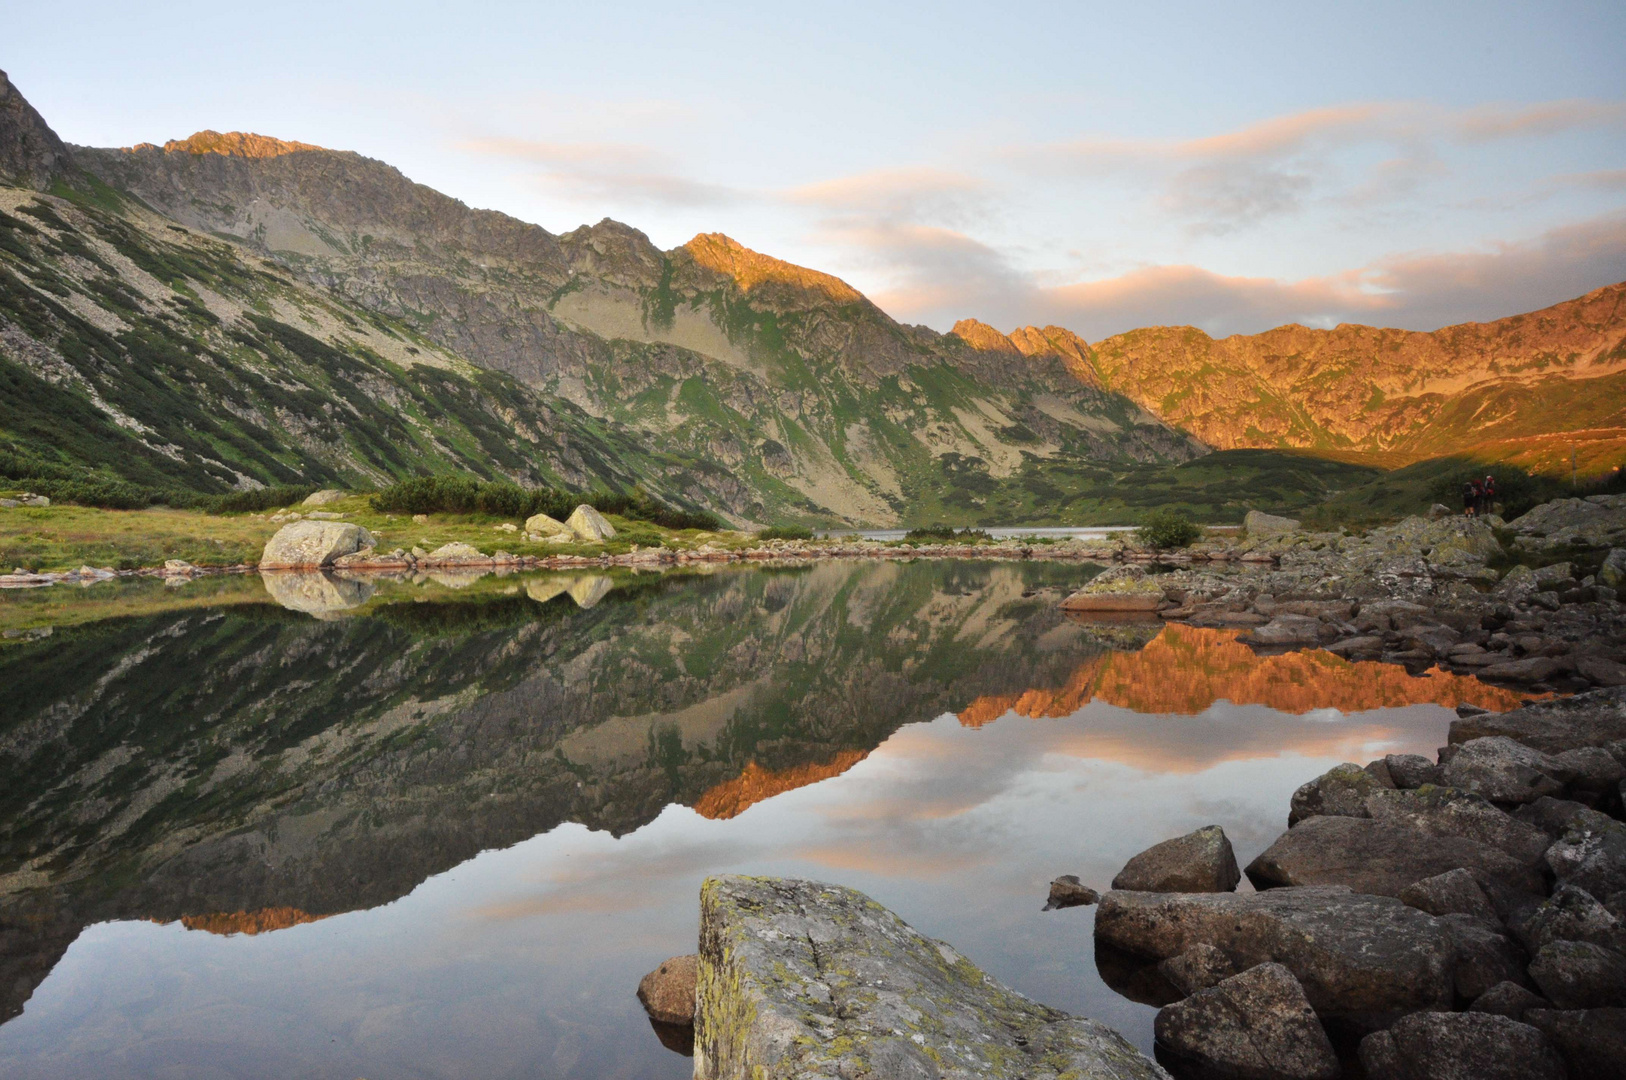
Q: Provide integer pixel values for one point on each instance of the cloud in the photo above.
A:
(907, 194)
(595, 173)
(1418, 291)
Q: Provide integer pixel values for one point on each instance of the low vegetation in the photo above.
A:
(1415, 488)
(469, 495)
(946, 534)
(1165, 529)
(785, 532)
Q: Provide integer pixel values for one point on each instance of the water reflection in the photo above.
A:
(447, 834)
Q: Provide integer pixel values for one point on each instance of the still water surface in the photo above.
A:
(441, 829)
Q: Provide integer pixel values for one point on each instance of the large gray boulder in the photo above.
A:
(1340, 791)
(1413, 770)
(1460, 1046)
(1580, 975)
(309, 545)
(589, 526)
(1503, 770)
(1454, 892)
(1257, 1025)
(1379, 857)
(800, 979)
(1198, 968)
(1571, 914)
(1595, 718)
(1200, 861)
(1445, 811)
(1597, 521)
(1357, 956)
(1486, 955)
(1591, 1041)
(1591, 854)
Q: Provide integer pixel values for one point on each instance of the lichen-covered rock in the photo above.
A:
(1580, 975)
(800, 979)
(1460, 1046)
(1413, 770)
(588, 525)
(1341, 791)
(1379, 857)
(1200, 861)
(1571, 914)
(544, 526)
(1445, 811)
(1453, 892)
(1198, 968)
(1257, 1024)
(1502, 770)
(1595, 718)
(305, 545)
(1591, 854)
(667, 993)
(1067, 891)
(1357, 956)
(1591, 1041)
(454, 554)
(1123, 588)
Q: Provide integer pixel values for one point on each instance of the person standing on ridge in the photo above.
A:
(1487, 495)
(1470, 496)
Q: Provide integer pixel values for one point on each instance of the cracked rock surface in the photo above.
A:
(802, 979)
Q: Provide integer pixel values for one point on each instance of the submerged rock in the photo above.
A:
(1357, 956)
(1257, 1024)
(1200, 861)
(801, 979)
(1067, 891)
(1460, 1046)
(667, 993)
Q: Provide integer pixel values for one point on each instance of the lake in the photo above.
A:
(441, 827)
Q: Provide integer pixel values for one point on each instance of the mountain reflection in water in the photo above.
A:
(445, 833)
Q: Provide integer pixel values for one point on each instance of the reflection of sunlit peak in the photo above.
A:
(1185, 670)
(260, 921)
(733, 797)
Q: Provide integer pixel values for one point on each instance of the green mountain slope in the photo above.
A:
(821, 405)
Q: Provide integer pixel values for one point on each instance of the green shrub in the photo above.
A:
(1168, 529)
(785, 532)
(467, 495)
(251, 502)
(945, 534)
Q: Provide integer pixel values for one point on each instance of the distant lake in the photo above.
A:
(441, 827)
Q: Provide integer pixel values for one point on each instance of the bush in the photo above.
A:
(466, 495)
(250, 502)
(786, 532)
(945, 534)
(1168, 529)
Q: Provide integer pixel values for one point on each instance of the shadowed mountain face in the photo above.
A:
(786, 378)
(249, 767)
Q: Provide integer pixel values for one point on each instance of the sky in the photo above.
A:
(1094, 166)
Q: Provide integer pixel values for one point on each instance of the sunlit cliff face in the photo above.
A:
(259, 921)
(733, 797)
(1186, 669)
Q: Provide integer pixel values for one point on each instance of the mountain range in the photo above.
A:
(230, 310)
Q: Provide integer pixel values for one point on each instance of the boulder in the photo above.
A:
(1460, 1046)
(1486, 955)
(1508, 999)
(1453, 892)
(1358, 956)
(1379, 857)
(589, 526)
(1445, 811)
(1600, 670)
(1260, 525)
(1571, 914)
(1067, 891)
(1531, 669)
(1198, 968)
(1613, 571)
(1413, 770)
(1286, 630)
(544, 526)
(1552, 816)
(326, 596)
(1591, 854)
(1123, 588)
(305, 545)
(324, 497)
(1257, 1024)
(1200, 861)
(1340, 791)
(797, 978)
(1502, 770)
(1595, 522)
(1580, 975)
(667, 993)
(1595, 718)
(1591, 1041)
(1591, 772)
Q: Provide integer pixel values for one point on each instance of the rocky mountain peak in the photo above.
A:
(234, 143)
(752, 270)
(979, 335)
(31, 155)
(1059, 341)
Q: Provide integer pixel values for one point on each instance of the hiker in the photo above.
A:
(1487, 494)
(1470, 497)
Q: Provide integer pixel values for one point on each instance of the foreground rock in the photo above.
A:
(1460, 1046)
(1121, 589)
(1257, 1024)
(1200, 861)
(309, 545)
(1596, 718)
(1591, 1041)
(541, 525)
(588, 525)
(667, 993)
(1359, 957)
(800, 979)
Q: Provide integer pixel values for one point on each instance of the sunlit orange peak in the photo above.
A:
(234, 144)
(733, 797)
(249, 922)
